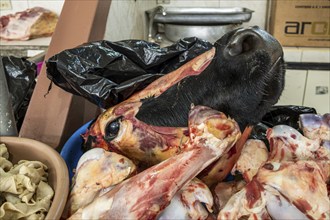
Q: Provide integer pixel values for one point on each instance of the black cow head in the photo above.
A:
(242, 76)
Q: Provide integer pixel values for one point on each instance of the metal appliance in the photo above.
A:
(167, 25)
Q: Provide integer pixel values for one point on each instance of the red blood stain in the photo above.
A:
(232, 151)
(302, 205)
(308, 168)
(282, 153)
(201, 185)
(253, 192)
(223, 127)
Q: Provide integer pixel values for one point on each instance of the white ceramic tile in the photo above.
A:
(292, 54)
(53, 5)
(16, 6)
(192, 3)
(126, 19)
(293, 92)
(317, 91)
(321, 55)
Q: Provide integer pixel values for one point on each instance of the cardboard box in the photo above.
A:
(301, 22)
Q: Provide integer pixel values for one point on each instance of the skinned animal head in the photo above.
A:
(242, 76)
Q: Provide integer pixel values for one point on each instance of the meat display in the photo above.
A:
(31, 23)
(291, 184)
(242, 76)
(252, 157)
(316, 127)
(193, 201)
(147, 194)
(185, 141)
(97, 172)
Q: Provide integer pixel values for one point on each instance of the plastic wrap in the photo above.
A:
(20, 74)
(281, 114)
(107, 73)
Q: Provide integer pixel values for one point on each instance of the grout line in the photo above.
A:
(305, 88)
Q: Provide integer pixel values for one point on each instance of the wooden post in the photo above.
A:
(52, 118)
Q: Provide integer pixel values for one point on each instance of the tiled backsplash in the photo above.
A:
(302, 86)
(307, 54)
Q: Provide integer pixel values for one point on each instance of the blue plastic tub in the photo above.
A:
(72, 149)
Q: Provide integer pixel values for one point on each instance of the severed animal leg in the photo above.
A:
(280, 208)
(147, 194)
(225, 190)
(254, 155)
(292, 184)
(288, 189)
(315, 126)
(220, 169)
(97, 171)
(302, 183)
(287, 144)
(249, 202)
(188, 202)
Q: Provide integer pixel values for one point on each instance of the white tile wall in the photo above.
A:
(293, 93)
(126, 19)
(320, 55)
(53, 5)
(317, 91)
(16, 5)
(301, 85)
(193, 3)
(292, 54)
(307, 54)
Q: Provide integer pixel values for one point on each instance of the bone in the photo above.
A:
(97, 171)
(287, 144)
(253, 156)
(315, 126)
(219, 170)
(189, 202)
(147, 194)
(272, 192)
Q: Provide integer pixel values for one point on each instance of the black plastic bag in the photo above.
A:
(107, 73)
(287, 115)
(280, 115)
(20, 75)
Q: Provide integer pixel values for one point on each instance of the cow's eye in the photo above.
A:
(112, 129)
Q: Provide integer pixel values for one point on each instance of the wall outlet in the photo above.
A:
(5, 5)
(163, 1)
